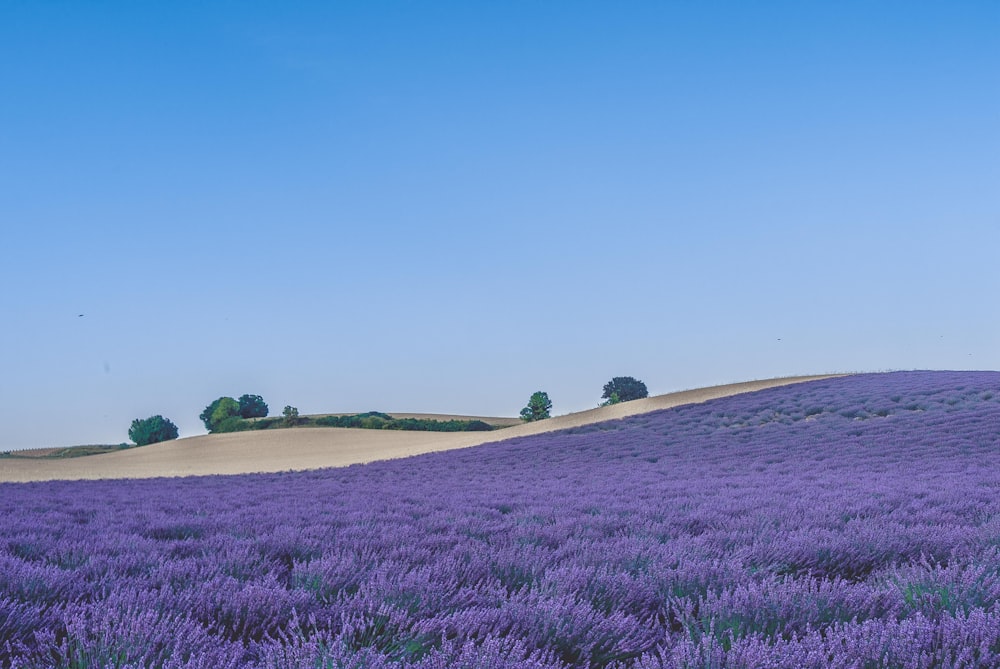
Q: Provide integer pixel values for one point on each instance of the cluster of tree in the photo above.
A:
(229, 415)
(221, 416)
(618, 389)
(249, 412)
(375, 420)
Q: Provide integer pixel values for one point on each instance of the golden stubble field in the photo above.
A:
(314, 447)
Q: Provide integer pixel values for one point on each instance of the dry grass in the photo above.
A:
(313, 448)
(34, 453)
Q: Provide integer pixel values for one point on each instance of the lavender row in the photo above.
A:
(835, 523)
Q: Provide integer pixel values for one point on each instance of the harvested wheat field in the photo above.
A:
(317, 447)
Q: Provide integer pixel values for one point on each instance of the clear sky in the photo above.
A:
(446, 206)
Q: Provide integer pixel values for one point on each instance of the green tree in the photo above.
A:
(538, 407)
(252, 406)
(625, 388)
(218, 411)
(151, 430)
(291, 415)
(233, 424)
(614, 399)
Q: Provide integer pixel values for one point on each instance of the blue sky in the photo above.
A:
(448, 206)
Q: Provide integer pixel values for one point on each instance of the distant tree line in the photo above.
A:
(249, 412)
(375, 420)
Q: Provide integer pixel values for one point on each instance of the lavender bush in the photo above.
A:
(850, 522)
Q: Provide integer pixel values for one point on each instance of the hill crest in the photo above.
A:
(316, 447)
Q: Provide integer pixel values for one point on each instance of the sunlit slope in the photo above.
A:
(313, 448)
(849, 522)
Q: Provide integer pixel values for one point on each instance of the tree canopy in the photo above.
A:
(151, 430)
(538, 407)
(624, 389)
(291, 415)
(252, 406)
(218, 411)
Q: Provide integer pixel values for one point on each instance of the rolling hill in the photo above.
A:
(843, 522)
(312, 448)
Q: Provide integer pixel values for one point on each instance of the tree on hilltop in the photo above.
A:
(152, 430)
(252, 406)
(538, 407)
(291, 415)
(624, 389)
(218, 411)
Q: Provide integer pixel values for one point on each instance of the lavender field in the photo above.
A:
(850, 522)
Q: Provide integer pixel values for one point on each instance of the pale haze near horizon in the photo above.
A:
(444, 208)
